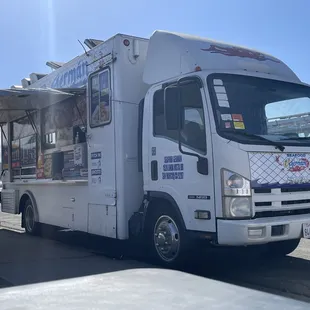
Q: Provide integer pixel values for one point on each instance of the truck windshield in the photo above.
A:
(247, 109)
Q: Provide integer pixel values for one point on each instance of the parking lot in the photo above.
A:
(26, 259)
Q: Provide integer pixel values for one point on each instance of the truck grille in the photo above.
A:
(281, 201)
(281, 213)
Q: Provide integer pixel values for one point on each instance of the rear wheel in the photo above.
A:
(30, 224)
(282, 248)
(166, 237)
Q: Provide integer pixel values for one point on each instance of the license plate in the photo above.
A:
(306, 230)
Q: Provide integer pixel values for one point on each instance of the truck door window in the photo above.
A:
(193, 133)
(100, 107)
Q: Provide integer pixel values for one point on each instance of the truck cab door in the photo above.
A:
(184, 173)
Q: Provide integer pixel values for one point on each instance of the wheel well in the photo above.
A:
(164, 203)
(22, 202)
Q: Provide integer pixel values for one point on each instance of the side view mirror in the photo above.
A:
(172, 107)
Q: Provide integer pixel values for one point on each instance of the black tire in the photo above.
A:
(31, 226)
(163, 225)
(282, 248)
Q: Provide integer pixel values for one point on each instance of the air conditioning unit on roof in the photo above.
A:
(54, 64)
(36, 76)
(26, 82)
(16, 87)
(91, 43)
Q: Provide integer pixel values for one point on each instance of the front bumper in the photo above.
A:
(246, 232)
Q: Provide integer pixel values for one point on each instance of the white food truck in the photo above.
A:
(175, 139)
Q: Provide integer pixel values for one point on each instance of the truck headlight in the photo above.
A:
(237, 207)
(237, 202)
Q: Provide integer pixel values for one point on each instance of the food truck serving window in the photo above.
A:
(100, 101)
(24, 146)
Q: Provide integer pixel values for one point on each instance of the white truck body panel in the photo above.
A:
(105, 208)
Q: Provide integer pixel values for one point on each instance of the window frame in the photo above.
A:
(18, 170)
(4, 137)
(162, 89)
(89, 89)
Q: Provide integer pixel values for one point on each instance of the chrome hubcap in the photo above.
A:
(29, 218)
(166, 238)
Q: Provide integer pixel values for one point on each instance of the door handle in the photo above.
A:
(154, 170)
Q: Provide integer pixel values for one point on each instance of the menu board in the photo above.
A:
(28, 151)
(15, 154)
(69, 159)
(75, 162)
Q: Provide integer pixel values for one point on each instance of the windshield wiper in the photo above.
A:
(277, 145)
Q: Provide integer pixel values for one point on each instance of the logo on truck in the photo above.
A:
(238, 52)
(294, 162)
(75, 77)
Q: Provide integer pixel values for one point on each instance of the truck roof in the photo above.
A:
(173, 54)
(73, 74)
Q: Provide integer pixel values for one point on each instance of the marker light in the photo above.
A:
(126, 42)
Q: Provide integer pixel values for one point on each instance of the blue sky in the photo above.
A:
(35, 31)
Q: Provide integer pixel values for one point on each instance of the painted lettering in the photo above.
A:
(75, 77)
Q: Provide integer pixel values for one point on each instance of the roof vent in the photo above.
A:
(16, 87)
(91, 43)
(26, 82)
(36, 76)
(54, 64)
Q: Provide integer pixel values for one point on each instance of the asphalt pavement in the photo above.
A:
(25, 259)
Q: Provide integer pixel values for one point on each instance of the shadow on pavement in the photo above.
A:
(66, 254)
(288, 275)
(25, 259)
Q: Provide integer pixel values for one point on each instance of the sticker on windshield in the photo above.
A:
(224, 103)
(220, 89)
(237, 117)
(217, 82)
(239, 125)
(227, 125)
(226, 117)
(221, 97)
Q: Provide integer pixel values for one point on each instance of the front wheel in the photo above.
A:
(29, 223)
(282, 248)
(166, 237)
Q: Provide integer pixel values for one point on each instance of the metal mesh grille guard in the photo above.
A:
(279, 169)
